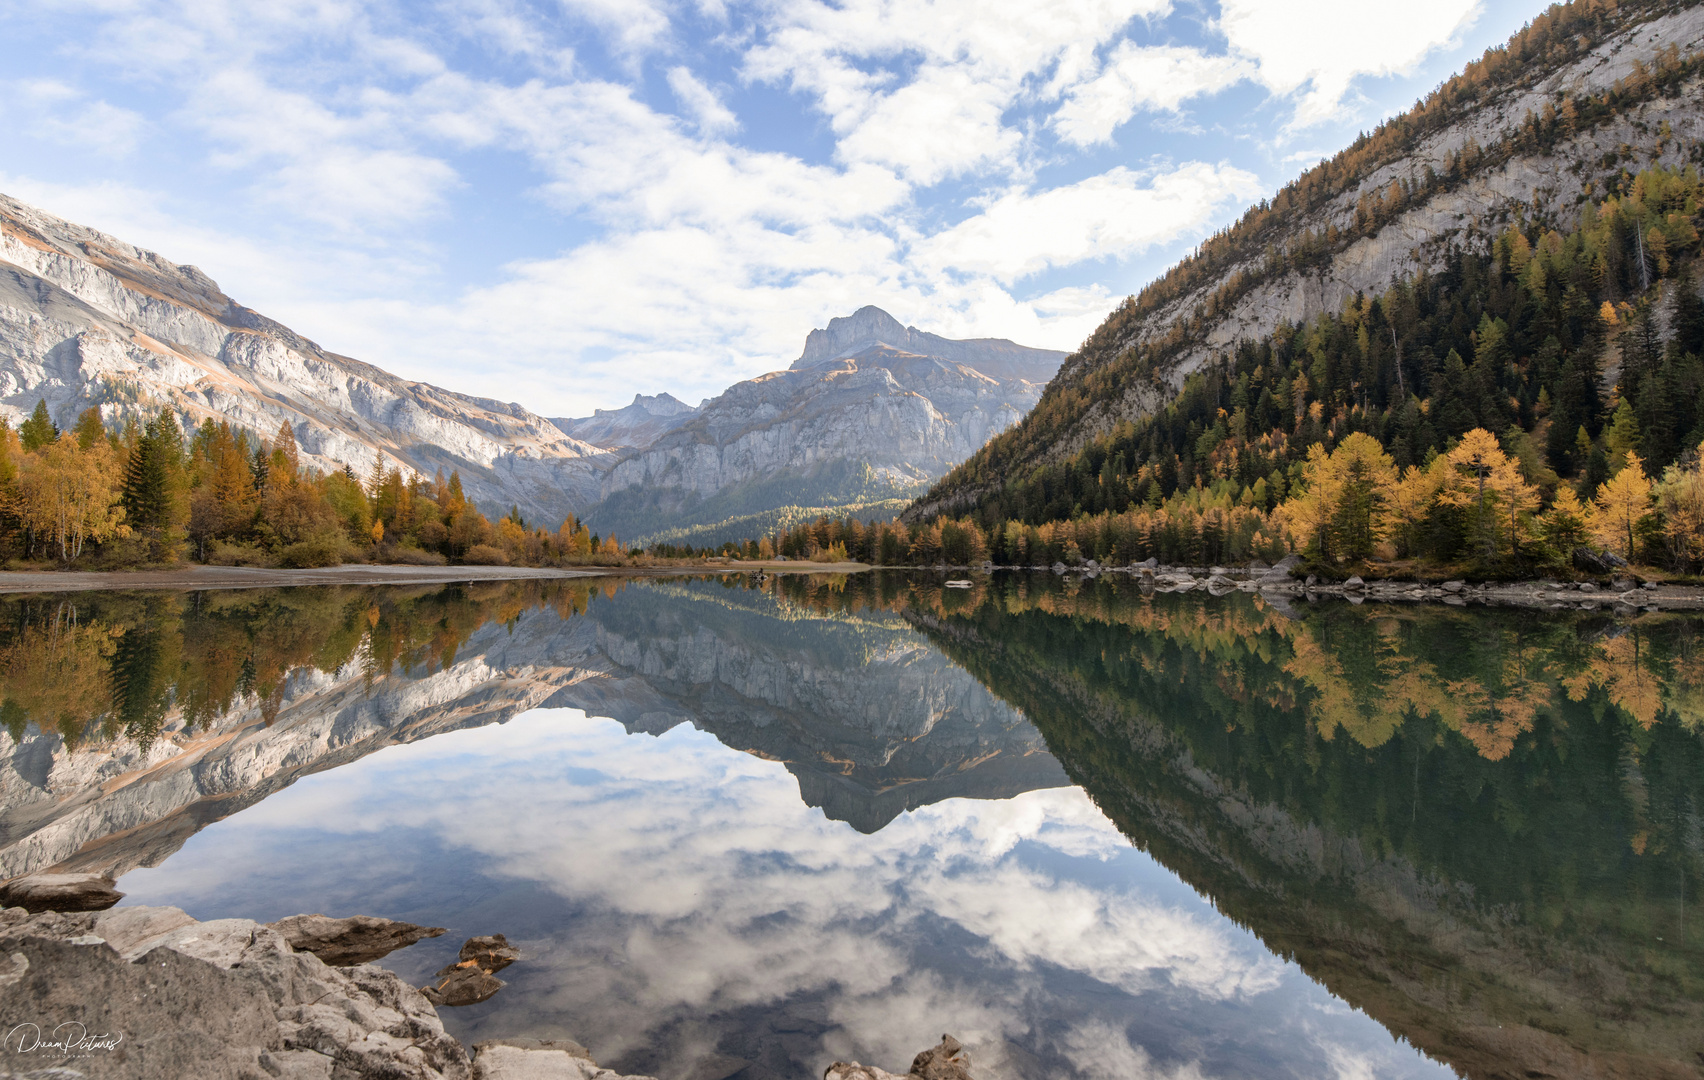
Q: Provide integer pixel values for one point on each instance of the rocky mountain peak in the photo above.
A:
(870, 326)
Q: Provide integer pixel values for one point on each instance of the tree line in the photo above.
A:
(101, 496)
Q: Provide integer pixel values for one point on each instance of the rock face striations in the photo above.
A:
(88, 320)
(1450, 184)
(638, 425)
(870, 410)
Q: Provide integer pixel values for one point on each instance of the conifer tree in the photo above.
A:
(1621, 507)
(38, 430)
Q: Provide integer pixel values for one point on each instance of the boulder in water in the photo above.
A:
(359, 939)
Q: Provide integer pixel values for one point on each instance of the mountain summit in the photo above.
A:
(869, 412)
(870, 326)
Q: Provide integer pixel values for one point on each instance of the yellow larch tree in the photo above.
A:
(1622, 504)
(1486, 482)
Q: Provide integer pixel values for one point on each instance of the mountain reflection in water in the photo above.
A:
(1481, 828)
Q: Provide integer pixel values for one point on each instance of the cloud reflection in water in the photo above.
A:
(675, 900)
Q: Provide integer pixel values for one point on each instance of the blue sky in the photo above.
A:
(565, 202)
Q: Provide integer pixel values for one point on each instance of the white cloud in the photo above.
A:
(52, 110)
(1324, 44)
(972, 61)
(713, 117)
(1137, 77)
(1117, 213)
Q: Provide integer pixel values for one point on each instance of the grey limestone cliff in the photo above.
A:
(89, 320)
(869, 403)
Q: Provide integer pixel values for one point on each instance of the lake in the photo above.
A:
(744, 828)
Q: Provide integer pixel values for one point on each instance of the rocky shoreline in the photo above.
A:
(150, 993)
(1620, 590)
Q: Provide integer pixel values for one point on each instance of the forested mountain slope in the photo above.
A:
(1491, 258)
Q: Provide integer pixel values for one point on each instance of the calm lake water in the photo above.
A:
(743, 829)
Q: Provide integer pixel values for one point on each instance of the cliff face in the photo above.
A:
(871, 719)
(1255, 288)
(639, 424)
(869, 405)
(88, 320)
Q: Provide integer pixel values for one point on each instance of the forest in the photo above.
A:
(1539, 396)
(99, 497)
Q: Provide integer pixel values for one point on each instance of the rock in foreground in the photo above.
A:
(60, 892)
(947, 1061)
(153, 993)
(359, 939)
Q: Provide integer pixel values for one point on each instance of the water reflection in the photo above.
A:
(1482, 828)
(682, 910)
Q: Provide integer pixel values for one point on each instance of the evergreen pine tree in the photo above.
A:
(38, 430)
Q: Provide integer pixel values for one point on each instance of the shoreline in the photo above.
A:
(196, 577)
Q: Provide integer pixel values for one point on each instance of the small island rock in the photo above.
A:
(359, 939)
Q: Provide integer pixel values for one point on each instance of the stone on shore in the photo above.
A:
(359, 939)
(60, 892)
(538, 1059)
(163, 995)
(948, 1061)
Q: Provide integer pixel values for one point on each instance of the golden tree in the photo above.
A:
(1343, 509)
(1489, 485)
(70, 496)
(1622, 505)
(1680, 496)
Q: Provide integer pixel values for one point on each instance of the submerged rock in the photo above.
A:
(471, 979)
(60, 892)
(359, 939)
(948, 1061)
(491, 952)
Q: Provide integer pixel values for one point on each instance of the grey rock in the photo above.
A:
(1355, 582)
(358, 939)
(1288, 562)
(1313, 579)
(220, 999)
(1586, 586)
(1149, 563)
(60, 892)
(948, 1061)
(1623, 584)
(1597, 562)
(1453, 586)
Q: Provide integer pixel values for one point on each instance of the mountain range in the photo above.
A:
(870, 413)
